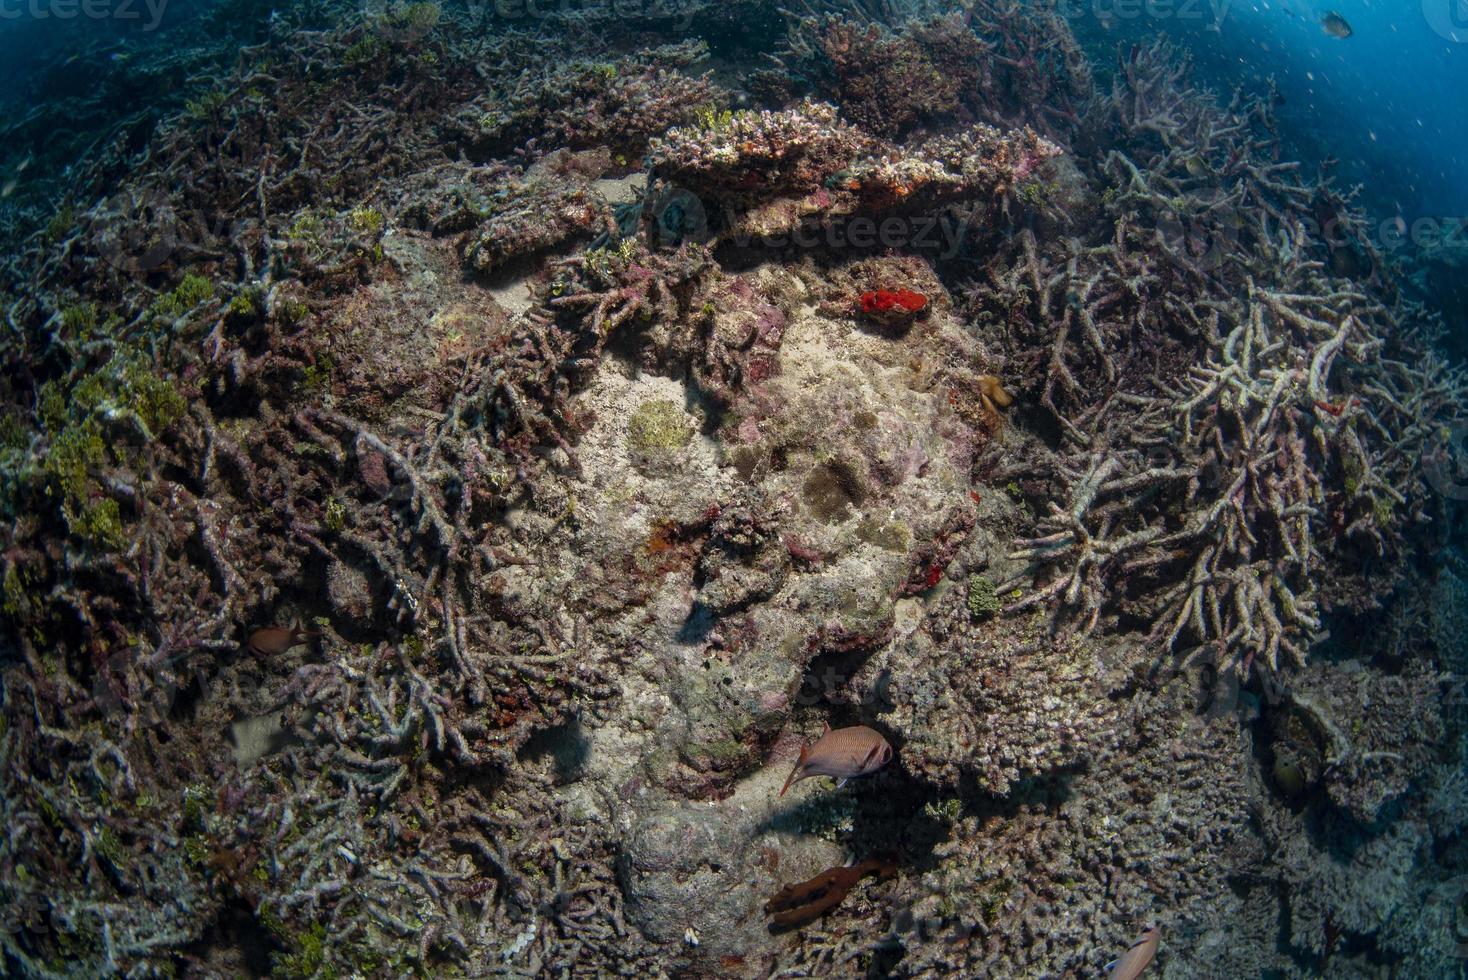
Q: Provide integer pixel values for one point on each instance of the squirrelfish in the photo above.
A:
(841, 754)
(272, 641)
(1137, 958)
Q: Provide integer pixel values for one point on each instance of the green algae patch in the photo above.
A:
(656, 433)
(658, 424)
(889, 535)
(191, 292)
(983, 599)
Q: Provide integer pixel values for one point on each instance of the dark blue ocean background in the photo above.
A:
(1390, 102)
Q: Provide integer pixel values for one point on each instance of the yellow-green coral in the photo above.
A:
(79, 320)
(316, 377)
(366, 220)
(714, 119)
(13, 433)
(74, 452)
(1036, 192)
(659, 424)
(196, 850)
(245, 305)
(293, 311)
(206, 106)
(192, 291)
(983, 600)
(362, 52)
(309, 958)
(15, 593)
(72, 416)
(418, 18)
(156, 400)
(110, 848)
(61, 223)
(308, 231)
(99, 522)
(948, 810)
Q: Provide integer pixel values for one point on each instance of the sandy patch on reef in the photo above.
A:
(620, 190)
(626, 502)
(514, 297)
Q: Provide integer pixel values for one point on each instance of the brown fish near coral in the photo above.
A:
(841, 754)
(991, 397)
(272, 641)
(805, 901)
(1137, 958)
(991, 390)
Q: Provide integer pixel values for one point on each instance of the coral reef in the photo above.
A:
(444, 486)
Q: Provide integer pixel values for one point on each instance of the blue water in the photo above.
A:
(1390, 103)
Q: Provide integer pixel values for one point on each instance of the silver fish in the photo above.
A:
(841, 754)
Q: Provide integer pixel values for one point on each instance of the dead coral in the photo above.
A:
(887, 83)
(1218, 415)
(618, 103)
(755, 156)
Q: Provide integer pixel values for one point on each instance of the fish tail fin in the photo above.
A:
(825, 728)
(799, 765)
(871, 756)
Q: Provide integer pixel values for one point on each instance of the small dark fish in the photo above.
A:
(841, 754)
(1137, 958)
(1335, 25)
(272, 641)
